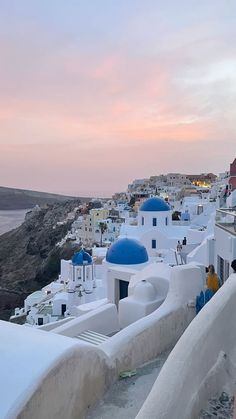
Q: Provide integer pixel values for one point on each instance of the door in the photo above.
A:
(40, 321)
(63, 309)
(123, 286)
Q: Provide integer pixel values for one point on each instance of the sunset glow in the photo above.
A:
(97, 93)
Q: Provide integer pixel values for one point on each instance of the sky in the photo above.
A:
(97, 93)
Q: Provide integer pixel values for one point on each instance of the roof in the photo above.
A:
(81, 257)
(127, 252)
(154, 204)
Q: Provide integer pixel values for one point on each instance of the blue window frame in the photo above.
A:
(154, 244)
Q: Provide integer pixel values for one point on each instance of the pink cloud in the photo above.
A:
(78, 114)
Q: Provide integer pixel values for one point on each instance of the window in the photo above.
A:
(154, 222)
(154, 244)
(166, 221)
(142, 221)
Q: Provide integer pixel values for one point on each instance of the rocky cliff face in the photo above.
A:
(12, 198)
(29, 257)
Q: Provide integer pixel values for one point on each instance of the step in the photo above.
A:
(92, 337)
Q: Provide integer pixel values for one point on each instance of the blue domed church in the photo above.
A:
(154, 221)
(123, 259)
(154, 212)
(127, 252)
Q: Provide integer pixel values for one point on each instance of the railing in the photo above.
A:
(226, 219)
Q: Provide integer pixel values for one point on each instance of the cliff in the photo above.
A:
(29, 257)
(12, 198)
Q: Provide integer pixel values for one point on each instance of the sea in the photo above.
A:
(10, 219)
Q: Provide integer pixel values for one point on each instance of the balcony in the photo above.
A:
(226, 219)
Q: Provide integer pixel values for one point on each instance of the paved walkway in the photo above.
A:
(126, 397)
(221, 407)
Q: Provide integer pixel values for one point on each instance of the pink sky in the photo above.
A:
(92, 98)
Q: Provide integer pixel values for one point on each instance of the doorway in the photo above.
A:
(123, 289)
(63, 309)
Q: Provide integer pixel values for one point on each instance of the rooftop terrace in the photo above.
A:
(226, 219)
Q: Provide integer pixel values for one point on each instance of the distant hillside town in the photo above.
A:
(103, 224)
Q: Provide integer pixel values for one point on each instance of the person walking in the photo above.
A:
(179, 247)
(212, 279)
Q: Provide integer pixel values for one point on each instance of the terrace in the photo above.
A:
(226, 219)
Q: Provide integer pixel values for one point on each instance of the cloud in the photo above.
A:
(78, 99)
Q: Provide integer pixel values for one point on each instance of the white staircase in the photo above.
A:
(92, 337)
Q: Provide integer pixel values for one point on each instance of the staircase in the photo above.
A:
(92, 337)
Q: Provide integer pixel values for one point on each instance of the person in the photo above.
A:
(179, 247)
(184, 241)
(233, 266)
(212, 279)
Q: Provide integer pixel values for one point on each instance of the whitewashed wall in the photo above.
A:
(101, 320)
(201, 364)
(148, 337)
(42, 360)
(225, 245)
(49, 376)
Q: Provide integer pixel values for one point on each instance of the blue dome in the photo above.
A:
(154, 204)
(81, 257)
(127, 252)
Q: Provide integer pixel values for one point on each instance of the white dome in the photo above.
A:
(144, 291)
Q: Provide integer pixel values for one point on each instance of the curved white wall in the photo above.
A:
(51, 376)
(52, 325)
(102, 320)
(41, 360)
(148, 337)
(157, 274)
(201, 364)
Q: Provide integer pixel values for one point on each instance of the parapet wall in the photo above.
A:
(145, 339)
(102, 320)
(52, 325)
(70, 387)
(201, 364)
(49, 376)
(59, 377)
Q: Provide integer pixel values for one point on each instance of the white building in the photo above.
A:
(156, 231)
(87, 228)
